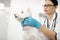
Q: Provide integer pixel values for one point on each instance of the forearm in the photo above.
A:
(49, 33)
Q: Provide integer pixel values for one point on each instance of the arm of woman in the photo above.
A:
(49, 33)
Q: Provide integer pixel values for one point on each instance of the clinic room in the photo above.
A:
(29, 20)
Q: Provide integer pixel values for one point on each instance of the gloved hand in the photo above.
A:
(28, 21)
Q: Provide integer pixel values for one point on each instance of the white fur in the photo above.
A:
(32, 33)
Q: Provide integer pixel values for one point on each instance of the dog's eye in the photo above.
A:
(22, 12)
(15, 15)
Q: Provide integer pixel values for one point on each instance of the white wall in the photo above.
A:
(3, 25)
(3, 22)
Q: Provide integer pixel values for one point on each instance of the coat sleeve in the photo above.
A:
(57, 30)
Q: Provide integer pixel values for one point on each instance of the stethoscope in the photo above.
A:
(53, 23)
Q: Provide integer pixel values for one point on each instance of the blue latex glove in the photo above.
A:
(28, 21)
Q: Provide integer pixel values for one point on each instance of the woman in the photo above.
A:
(51, 26)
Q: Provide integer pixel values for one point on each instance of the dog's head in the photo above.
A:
(22, 14)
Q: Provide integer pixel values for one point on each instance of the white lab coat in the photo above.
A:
(57, 27)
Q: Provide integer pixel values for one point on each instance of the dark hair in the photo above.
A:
(55, 2)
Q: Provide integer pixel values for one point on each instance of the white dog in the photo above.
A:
(31, 33)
